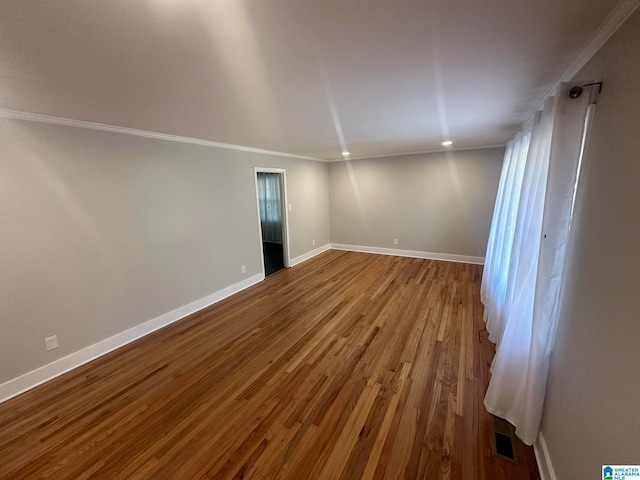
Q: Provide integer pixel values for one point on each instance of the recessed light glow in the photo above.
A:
(345, 154)
(447, 143)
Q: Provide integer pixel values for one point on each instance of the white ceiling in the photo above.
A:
(304, 77)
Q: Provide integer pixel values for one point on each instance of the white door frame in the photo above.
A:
(285, 213)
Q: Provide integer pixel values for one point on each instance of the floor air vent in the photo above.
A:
(503, 440)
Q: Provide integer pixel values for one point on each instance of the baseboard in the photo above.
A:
(54, 369)
(447, 257)
(543, 459)
(297, 260)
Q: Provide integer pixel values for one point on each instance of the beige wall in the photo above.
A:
(102, 231)
(592, 412)
(438, 202)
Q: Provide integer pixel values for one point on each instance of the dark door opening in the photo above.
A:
(271, 220)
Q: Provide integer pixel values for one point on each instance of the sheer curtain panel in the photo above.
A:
(270, 206)
(525, 258)
(497, 263)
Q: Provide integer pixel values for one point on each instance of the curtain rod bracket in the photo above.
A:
(576, 91)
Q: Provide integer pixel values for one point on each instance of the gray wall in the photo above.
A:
(592, 411)
(102, 231)
(438, 202)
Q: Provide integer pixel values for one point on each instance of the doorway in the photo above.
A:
(272, 212)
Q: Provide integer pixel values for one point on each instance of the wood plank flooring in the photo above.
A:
(349, 366)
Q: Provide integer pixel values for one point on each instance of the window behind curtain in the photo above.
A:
(270, 206)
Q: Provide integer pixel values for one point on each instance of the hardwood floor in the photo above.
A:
(348, 366)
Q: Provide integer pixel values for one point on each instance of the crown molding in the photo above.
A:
(68, 122)
(418, 152)
(614, 20)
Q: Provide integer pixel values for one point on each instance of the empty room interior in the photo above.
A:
(319, 240)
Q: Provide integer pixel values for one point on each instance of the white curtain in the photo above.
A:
(525, 257)
(497, 264)
(270, 201)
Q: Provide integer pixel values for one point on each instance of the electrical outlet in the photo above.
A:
(243, 269)
(395, 241)
(289, 207)
(51, 343)
(314, 242)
